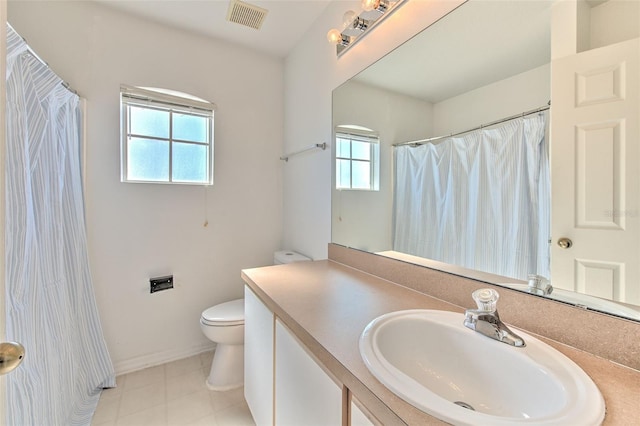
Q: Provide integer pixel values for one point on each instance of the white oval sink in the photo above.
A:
(429, 359)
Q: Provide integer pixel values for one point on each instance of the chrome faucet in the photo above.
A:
(485, 320)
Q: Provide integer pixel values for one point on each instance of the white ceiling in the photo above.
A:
(284, 25)
(486, 40)
(477, 44)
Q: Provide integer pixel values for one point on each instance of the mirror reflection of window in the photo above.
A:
(357, 158)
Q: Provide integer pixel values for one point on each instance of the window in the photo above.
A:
(357, 158)
(167, 137)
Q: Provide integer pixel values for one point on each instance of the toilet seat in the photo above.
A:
(225, 314)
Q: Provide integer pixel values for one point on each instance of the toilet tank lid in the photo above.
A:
(288, 256)
(232, 311)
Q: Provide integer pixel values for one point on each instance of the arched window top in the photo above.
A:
(356, 130)
(166, 96)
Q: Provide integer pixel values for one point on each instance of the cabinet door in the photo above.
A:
(258, 358)
(358, 417)
(305, 394)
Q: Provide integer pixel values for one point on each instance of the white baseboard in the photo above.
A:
(158, 358)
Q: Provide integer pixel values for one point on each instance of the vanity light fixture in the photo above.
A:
(354, 26)
(348, 18)
(334, 36)
(379, 5)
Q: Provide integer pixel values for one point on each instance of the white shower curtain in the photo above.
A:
(51, 307)
(480, 200)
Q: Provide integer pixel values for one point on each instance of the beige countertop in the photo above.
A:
(327, 305)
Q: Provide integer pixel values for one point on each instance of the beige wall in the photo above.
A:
(626, 15)
(137, 231)
(511, 96)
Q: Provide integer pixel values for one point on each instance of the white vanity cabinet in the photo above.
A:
(358, 417)
(258, 358)
(305, 394)
(283, 384)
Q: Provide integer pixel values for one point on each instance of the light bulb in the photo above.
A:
(369, 5)
(348, 18)
(334, 36)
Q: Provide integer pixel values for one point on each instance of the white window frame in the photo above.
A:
(356, 133)
(166, 100)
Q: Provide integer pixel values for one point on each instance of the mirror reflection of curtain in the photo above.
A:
(480, 200)
(51, 307)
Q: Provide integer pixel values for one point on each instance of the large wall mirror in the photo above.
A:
(502, 143)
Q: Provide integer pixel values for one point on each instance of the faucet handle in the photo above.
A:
(486, 299)
(539, 285)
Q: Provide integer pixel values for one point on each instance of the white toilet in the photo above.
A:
(224, 324)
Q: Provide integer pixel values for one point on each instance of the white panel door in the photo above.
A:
(258, 358)
(304, 393)
(595, 170)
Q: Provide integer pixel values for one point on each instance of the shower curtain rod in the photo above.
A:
(42, 61)
(482, 126)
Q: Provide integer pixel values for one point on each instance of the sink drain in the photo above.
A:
(464, 405)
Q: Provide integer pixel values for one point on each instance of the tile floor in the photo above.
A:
(171, 394)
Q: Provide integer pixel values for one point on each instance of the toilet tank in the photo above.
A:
(288, 256)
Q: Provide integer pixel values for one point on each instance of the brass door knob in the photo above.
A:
(565, 243)
(11, 355)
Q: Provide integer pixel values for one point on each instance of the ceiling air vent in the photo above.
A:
(246, 14)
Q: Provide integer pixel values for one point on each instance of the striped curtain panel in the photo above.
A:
(51, 306)
(480, 200)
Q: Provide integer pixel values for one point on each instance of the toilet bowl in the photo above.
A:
(224, 324)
